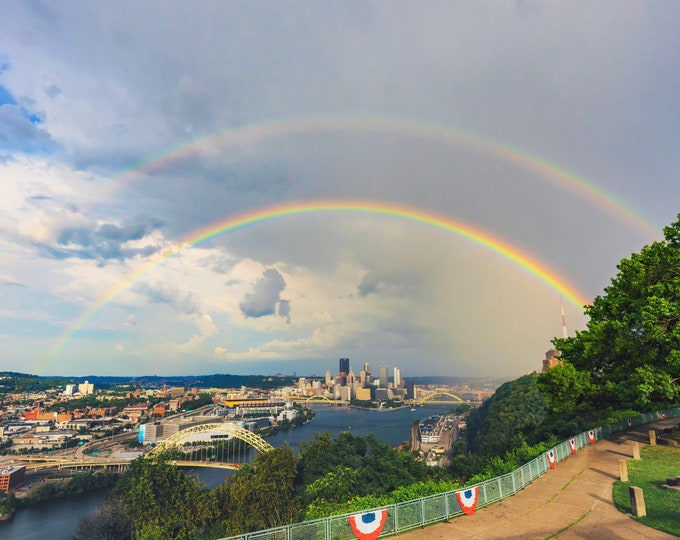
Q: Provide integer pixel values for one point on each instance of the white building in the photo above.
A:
(397, 377)
(86, 388)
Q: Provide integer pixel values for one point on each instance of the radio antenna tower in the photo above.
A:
(564, 322)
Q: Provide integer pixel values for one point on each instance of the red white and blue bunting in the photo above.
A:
(467, 498)
(369, 525)
(551, 458)
(591, 436)
(572, 445)
(663, 415)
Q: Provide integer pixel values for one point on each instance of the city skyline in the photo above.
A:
(264, 189)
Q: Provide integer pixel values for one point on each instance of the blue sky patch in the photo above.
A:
(5, 96)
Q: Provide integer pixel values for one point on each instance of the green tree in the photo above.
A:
(339, 485)
(8, 502)
(164, 501)
(261, 495)
(564, 387)
(511, 415)
(107, 522)
(631, 347)
(313, 456)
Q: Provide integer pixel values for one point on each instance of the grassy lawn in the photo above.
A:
(649, 473)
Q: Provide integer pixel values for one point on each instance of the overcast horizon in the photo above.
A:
(259, 188)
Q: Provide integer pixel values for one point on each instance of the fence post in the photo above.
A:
(500, 488)
(636, 450)
(652, 437)
(623, 470)
(637, 501)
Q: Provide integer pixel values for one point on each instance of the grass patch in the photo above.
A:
(649, 473)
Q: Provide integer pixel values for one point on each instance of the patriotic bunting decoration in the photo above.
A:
(572, 445)
(551, 458)
(467, 499)
(369, 525)
(630, 424)
(591, 436)
(663, 415)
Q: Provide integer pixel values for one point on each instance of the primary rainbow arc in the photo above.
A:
(482, 238)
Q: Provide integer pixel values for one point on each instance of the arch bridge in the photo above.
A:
(441, 397)
(231, 458)
(319, 398)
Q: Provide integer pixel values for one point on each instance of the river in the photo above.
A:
(60, 517)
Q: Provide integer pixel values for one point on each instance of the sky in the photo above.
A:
(265, 187)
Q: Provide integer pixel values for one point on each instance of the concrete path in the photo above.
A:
(572, 501)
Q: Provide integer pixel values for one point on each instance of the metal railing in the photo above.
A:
(417, 513)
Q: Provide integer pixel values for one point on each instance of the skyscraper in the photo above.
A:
(410, 390)
(383, 377)
(367, 371)
(344, 366)
(397, 377)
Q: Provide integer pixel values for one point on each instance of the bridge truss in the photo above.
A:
(182, 440)
(441, 397)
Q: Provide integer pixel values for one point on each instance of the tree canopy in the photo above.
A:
(511, 415)
(629, 354)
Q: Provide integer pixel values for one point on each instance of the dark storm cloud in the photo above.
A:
(184, 302)
(265, 296)
(105, 241)
(370, 283)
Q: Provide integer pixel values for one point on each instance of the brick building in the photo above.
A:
(12, 477)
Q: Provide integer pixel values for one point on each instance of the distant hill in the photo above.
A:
(488, 382)
(11, 381)
(28, 382)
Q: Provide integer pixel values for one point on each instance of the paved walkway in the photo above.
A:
(572, 501)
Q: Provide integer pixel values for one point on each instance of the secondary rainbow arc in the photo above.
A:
(544, 169)
(477, 236)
